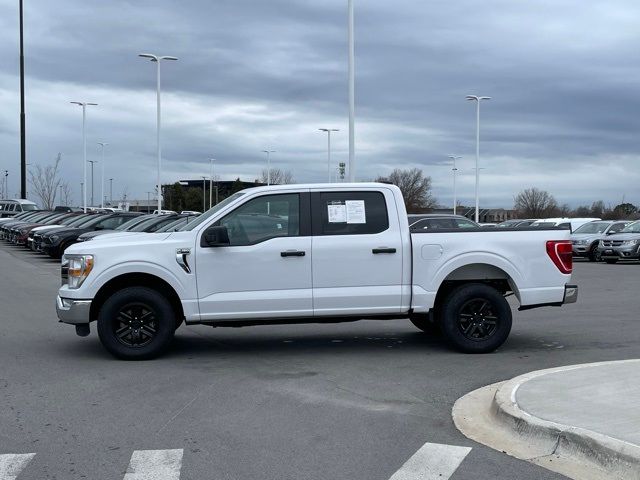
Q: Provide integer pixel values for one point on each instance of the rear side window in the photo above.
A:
(349, 213)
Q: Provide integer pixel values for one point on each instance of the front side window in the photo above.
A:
(616, 228)
(461, 223)
(263, 218)
(350, 213)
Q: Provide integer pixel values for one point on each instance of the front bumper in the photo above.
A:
(73, 311)
(628, 252)
(581, 250)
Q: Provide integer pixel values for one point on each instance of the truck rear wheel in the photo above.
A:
(476, 318)
(136, 323)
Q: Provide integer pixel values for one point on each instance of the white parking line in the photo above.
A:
(154, 465)
(432, 462)
(12, 464)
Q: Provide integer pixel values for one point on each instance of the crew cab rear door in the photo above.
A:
(357, 252)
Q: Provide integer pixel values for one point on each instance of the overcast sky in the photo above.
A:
(256, 74)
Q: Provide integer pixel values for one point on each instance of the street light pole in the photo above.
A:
(477, 99)
(329, 130)
(102, 145)
(352, 88)
(111, 192)
(455, 171)
(84, 150)
(158, 59)
(211, 160)
(92, 162)
(268, 152)
(23, 141)
(204, 194)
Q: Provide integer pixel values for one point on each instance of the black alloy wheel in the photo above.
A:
(135, 325)
(594, 254)
(477, 320)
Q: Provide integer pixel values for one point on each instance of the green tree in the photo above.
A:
(624, 210)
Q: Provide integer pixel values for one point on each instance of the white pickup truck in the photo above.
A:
(310, 254)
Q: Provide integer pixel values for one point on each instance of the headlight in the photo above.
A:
(582, 242)
(630, 242)
(80, 267)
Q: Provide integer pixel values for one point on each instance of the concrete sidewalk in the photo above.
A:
(582, 421)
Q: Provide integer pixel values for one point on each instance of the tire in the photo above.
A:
(594, 255)
(611, 260)
(136, 323)
(426, 324)
(476, 318)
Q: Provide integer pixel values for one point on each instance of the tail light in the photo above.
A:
(560, 253)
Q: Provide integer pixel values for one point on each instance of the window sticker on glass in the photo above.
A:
(337, 212)
(355, 211)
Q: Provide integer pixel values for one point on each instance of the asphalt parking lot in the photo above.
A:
(313, 402)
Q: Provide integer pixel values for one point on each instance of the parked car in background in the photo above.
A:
(437, 221)
(148, 224)
(6, 230)
(126, 226)
(72, 220)
(55, 243)
(569, 223)
(621, 246)
(20, 234)
(64, 208)
(585, 239)
(10, 208)
(20, 216)
(515, 223)
(177, 224)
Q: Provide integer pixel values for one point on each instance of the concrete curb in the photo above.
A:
(572, 451)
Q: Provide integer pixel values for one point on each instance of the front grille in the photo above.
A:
(611, 243)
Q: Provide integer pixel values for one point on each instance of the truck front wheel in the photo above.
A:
(136, 323)
(476, 318)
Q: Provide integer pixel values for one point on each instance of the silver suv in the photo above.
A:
(11, 208)
(622, 246)
(586, 238)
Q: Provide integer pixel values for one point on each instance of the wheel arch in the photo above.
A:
(136, 280)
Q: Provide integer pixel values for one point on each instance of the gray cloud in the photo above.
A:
(252, 74)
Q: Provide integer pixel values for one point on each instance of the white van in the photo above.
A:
(10, 208)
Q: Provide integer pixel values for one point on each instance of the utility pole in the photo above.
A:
(23, 141)
(329, 130)
(204, 194)
(352, 90)
(111, 192)
(102, 145)
(268, 152)
(477, 99)
(455, 171)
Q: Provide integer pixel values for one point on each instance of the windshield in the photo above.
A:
(29, 206)
(209, 213)
(593, 227)
(133, 222)
(632, 228)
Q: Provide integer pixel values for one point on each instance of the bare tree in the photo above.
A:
(415, 188)
(535, 203)
(278, 176)
(65, 194)
(44, 183)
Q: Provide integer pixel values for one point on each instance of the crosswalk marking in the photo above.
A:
(12, 464)
(155, 465)
(432, 462)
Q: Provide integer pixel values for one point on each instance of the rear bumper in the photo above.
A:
(570, 296)
(73, 311)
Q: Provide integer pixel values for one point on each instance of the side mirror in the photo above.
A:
(215, 236)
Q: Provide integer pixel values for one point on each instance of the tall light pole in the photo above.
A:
(268, 152)
(158, 59)
(477, 99)
(23, 141)
(352, 102)
(455, 172)
(211, 160)
(102, 145)
(204, 194)
(84, 150)
(329, 130)
(111, 192)
(92, 162)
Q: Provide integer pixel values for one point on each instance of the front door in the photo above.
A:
(357, 253)
(265, 272)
